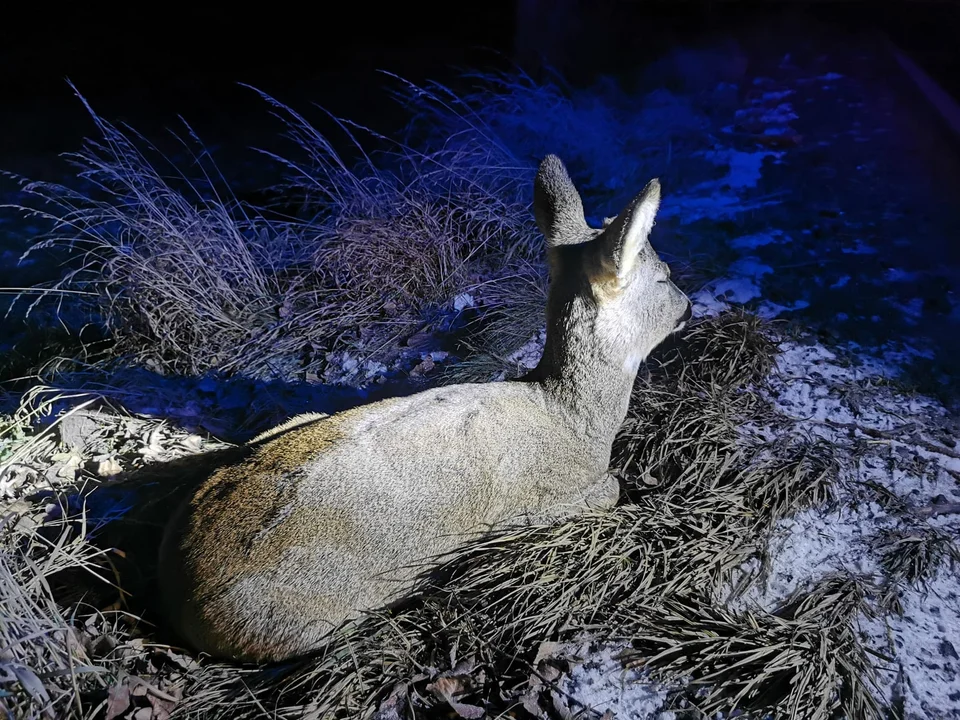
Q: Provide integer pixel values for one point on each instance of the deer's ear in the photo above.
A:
(629, 233)
(557, 205)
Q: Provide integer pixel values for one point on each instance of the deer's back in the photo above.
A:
(316, 523)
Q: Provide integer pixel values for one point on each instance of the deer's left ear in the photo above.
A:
(626, 236)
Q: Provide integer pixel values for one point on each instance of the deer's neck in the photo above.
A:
(590, 382)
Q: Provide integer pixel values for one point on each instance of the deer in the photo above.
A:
(326, 517)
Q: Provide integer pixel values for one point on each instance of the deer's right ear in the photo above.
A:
(557, 205)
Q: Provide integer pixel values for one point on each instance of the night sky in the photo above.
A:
(161, 55)
(149, 63)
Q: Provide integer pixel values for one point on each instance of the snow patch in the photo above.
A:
(718, 199)
(463, 301)
(925, 641)
(602, 684)
(888, 440)
(707, 304)
(744, 166)
(859, 248)
(738, 290)
(769, 310)
(783, 113)
(751, 242)
(774, 95)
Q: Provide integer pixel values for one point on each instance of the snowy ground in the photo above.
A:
(810, 206)
(905, 445)
(872, 299)
(900, 483)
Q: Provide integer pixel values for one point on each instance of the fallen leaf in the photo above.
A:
(649, 479)
(447, 688)
(424, 367)
(31, 683)
(71, 466)
(192, 443)
(549, 650)
(161, 708)
(118, 700)
(109, 468)
(531, 703)
(390, 708)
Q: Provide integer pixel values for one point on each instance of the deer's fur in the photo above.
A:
(316, 521)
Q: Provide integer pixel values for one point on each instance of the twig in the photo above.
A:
(938, 509)
(896, 432)
(152, 690)
(891, 434)
(934, 448)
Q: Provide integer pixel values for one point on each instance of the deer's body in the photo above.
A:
(313, 524)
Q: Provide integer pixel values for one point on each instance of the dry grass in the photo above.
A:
(62, 656)
(700, 501)
(41, 661)
(612, 140)
(651, 571)
(70, 646)
(805, 661)
(182, 279)
(415, 228)
(187, 280)
(914, 555)
(512, 314)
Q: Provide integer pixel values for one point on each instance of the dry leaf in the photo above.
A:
(531, 703)
(161, 708)
(109, 468)
(192, 442)
(70, 467)
(649, 479)
(550, 650)
(118, 700)
(447, 688)
(31, 683)
(390, 708)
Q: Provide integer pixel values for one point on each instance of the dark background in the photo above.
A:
(149, 62)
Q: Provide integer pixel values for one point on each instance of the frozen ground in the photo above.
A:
(819, 202)
(839, 230)
(900, 485)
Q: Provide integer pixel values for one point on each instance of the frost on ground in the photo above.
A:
(723, 198)
(894, 522)
(599, 685)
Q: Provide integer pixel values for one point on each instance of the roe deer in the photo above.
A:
(327, 516)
